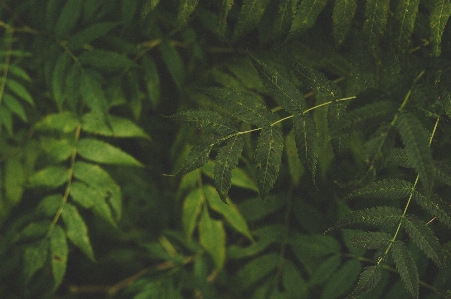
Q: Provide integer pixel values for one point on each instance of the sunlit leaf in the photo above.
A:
(117, 127)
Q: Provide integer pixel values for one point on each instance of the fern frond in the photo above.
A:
(405, 15)
(250, 15)
(424, 237)
(306, 142)
(207, 121)
(440, 13)
(435, 207)
(305, 16)
(371, 240)
(268, 156)
(384, 189)
(225, 162)
(368, 279)
(376, 13)
(406, 267)
(342, 17)
(242, 105)
(378, 216)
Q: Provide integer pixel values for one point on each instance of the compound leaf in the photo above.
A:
(376, 13)
(51, 177)
(35, 256)
(117, 127)
(405, 15)
(250, 14)
(371, 240)
(89, 34)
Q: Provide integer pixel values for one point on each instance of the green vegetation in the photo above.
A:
(225, 149)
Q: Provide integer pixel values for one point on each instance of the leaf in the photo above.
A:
(378, 216)
(19, 90)
(76, 230)
(59, 252)
(250, 14)
(284, 92)
(90, 34)
(197, 157)
(35, 256)
(226, 6)
(102, 152)
(305, 16)
(225, 162)
(51, 177)
(105, 60)
(283, 20)
(368, 280)
(6, 118)
(18, 72)
(230, 212)
(152, 80)
(435, 206)
(371, 240)
(93, 94)
(206, 120)
(265, 236)
(14, 106)
(406, 267)
(192, 206)
(384, 189)
(405, 15)
(342, 16)
(64, 122)
(268, 157)
(441, 10)
(33, 231)
(376, 13)
(186, 8)
(14, 179)
(59, 78)
(292, 281)
(256, 269)
(306, 141)
(327, 268)
(239, 177)
(294, 164)
(117, 127)
(212, 238)
(424, 237)
(416, 142)
(342, 280)
(68, 18)
(49, 205)
(253, 209)
(173, 62)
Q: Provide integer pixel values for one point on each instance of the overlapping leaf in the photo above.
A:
(35, 256)
(250, 14)
(68, 18)
(213, 238)
(405, 15)
(226, 6)
(186, 8)
(117, 127)
(90, 34)
(192, 206)
(197, 157)
(59, 252)
(406, 267)
(435, 206)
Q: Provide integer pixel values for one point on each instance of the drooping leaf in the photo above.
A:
(416, 142)
(77, 230)
(35, 256)
(186, 8)
(250, 15)
(105, 60)
(59, 78)
(213, 238)
(68, 18)
(268, 155)
(51, 177)
(206, 120)
(173, 62)
(369, 278)
(406, 267)
(118, 126)
(371, 240)
(18, 72)
(242, 105)
(306, 141)
(225, 162)
(378, 216)
(405, 15)
(305, 16)
(342, 280)
(192, 206)
(102, 152)
(230, 212)
(376, 14)
(90, 34)
(226, 6)
(384, 189)
(59, 252)
(425, 239)
(441, 10)
(7, 119)
(342, 17)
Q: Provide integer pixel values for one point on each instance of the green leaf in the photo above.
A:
(59, 78)
(197, 157)
(253, 209)
(242, 105)
(33, 231)
(206, 120)
(90, 34)
(73, 82)
(92, 93)
(250, 14)
(20, 90)
(6, 118)
(406, 267)
(68, 18)
(305, 16)
(116, 126)
(306, 141)
(186, 8)
(384, 189)
(416, 142)
(192, 207)
(59, 252)
(102, 152)
(225, 162)
(294, 164)
(18, 72)
(376, 14)
(371, 240)
(58, 150)
(283, 20)
(265, 236)
(377, 216)
(323, 272)
(424, 237)
(226, 6)
(293, 282)
(239, 177)
(309, 247)
(76, 230)
(14, 106)
(212, 237)
(35, 256)
(152, 80)
(173, 62)
(284, 92)
(49, 205)
(230, 212)
(405, 15)
(64, 122)
(441, 10)
(14, 179)
(435, 206)
(256, 269)
(52, 177)
(368, 280)
(342, 16)
(105, 60)
(268, 157)
(342, 280)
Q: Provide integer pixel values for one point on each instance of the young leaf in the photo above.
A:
(213, 238)
(405, 15)
(89, 34)
(105, 60)
(268, 157)
(117, 127)
(441, 10)
(385, 189)
(305, 16)
(342, 17)
(377, 216)
(102, 152)
(250, 14)
(68, 18)
(52, 177)
(35, 257)
(406, 267)
(59, 78)
(59, 252)
(186, 8)
(376, 13)
(76, 230)
(284, 92)
(342, 280)
(173, 62)
(306, 141)
(192, 206)
(368, 280)
(206, 120)
(226, 6)
(416, 143)
(424, 237)
(242, 105)
(225, 162)
(371, 240)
